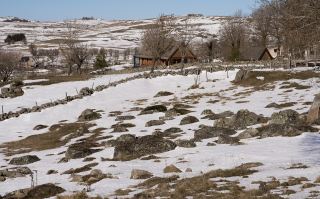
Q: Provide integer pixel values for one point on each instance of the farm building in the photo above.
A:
(260, 54)
(172, 57)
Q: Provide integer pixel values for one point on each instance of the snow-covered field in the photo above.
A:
(276, 153)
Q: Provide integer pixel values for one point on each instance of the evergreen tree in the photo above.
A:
(100, 61)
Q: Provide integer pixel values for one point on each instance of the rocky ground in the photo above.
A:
(242, 135)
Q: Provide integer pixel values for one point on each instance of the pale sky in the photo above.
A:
(54, 10)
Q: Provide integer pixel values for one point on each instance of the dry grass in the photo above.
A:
(203, 186)
(55, 78)
(79, 195)
(50, 140)
(295, 85)
(272, 76)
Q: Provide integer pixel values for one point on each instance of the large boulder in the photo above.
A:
(89, 115)
(80, 150)
(27, 159)
(12, 91)
(138, 147)
(286, 117)
(240, 120)
(314, 112)
(189, 120)
(15, 172)
(242, 75)
(185, 143)
(38, 192)
(206, 132)
(286, 130)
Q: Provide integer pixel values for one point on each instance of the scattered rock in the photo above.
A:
(225, 139)
(89, 115)
(12, 91)
(154, 123)
(172, 130)
(86, 91)
(207, 112)
(189, 120)
(286, 117)
(15, 172)
(314, 112)
(176, 112)
(153, 109)
(39, 127)
(28, 159)
(163, 93)
(80, 150)
(185, 143)
(171, 169)
(125, 117)
(50, 172)
(188, 170)
(140, 174)
(146, 145)
(240, 120)
(207, 132)
(38, 192)
(249, 133)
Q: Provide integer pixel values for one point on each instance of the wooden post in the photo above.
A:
(2, 109)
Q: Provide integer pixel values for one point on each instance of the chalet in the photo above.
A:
(172, 57)
(260, 54)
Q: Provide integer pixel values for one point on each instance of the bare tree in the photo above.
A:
(184, 37)
(52, 55)
(73, 51)
(158, 38)
(262, 24)
(232, 36)
(9, 62)
(36, 55)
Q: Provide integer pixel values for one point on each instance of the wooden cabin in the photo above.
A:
(172, 57)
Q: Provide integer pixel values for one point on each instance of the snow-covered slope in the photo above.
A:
(118, 34)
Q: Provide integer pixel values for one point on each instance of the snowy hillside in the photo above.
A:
(99, 33)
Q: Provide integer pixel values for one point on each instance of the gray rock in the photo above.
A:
(286, 117)
(125, 117)
(172, 130)
(153, 109)
(163, 93)
(225, 139)
(146, 145)
(314, 112)
(207, 132)
(185, 143)
(80, 150)
(207, 112)
(240, 120)
(89, 115)
(38, 192)
(249, 133)
(15, 172)
(27, 159)
(286, 130)
(140, 174)
(154, 123)
(189, 120)
(242, 75)
(86, 91)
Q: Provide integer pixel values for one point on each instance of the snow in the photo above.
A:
(276, 153)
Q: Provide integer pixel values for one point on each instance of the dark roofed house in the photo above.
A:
(260, 54)
(26, 62)
(172, 57)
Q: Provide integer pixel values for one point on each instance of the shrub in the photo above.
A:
(100, 61)
(11, 39)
